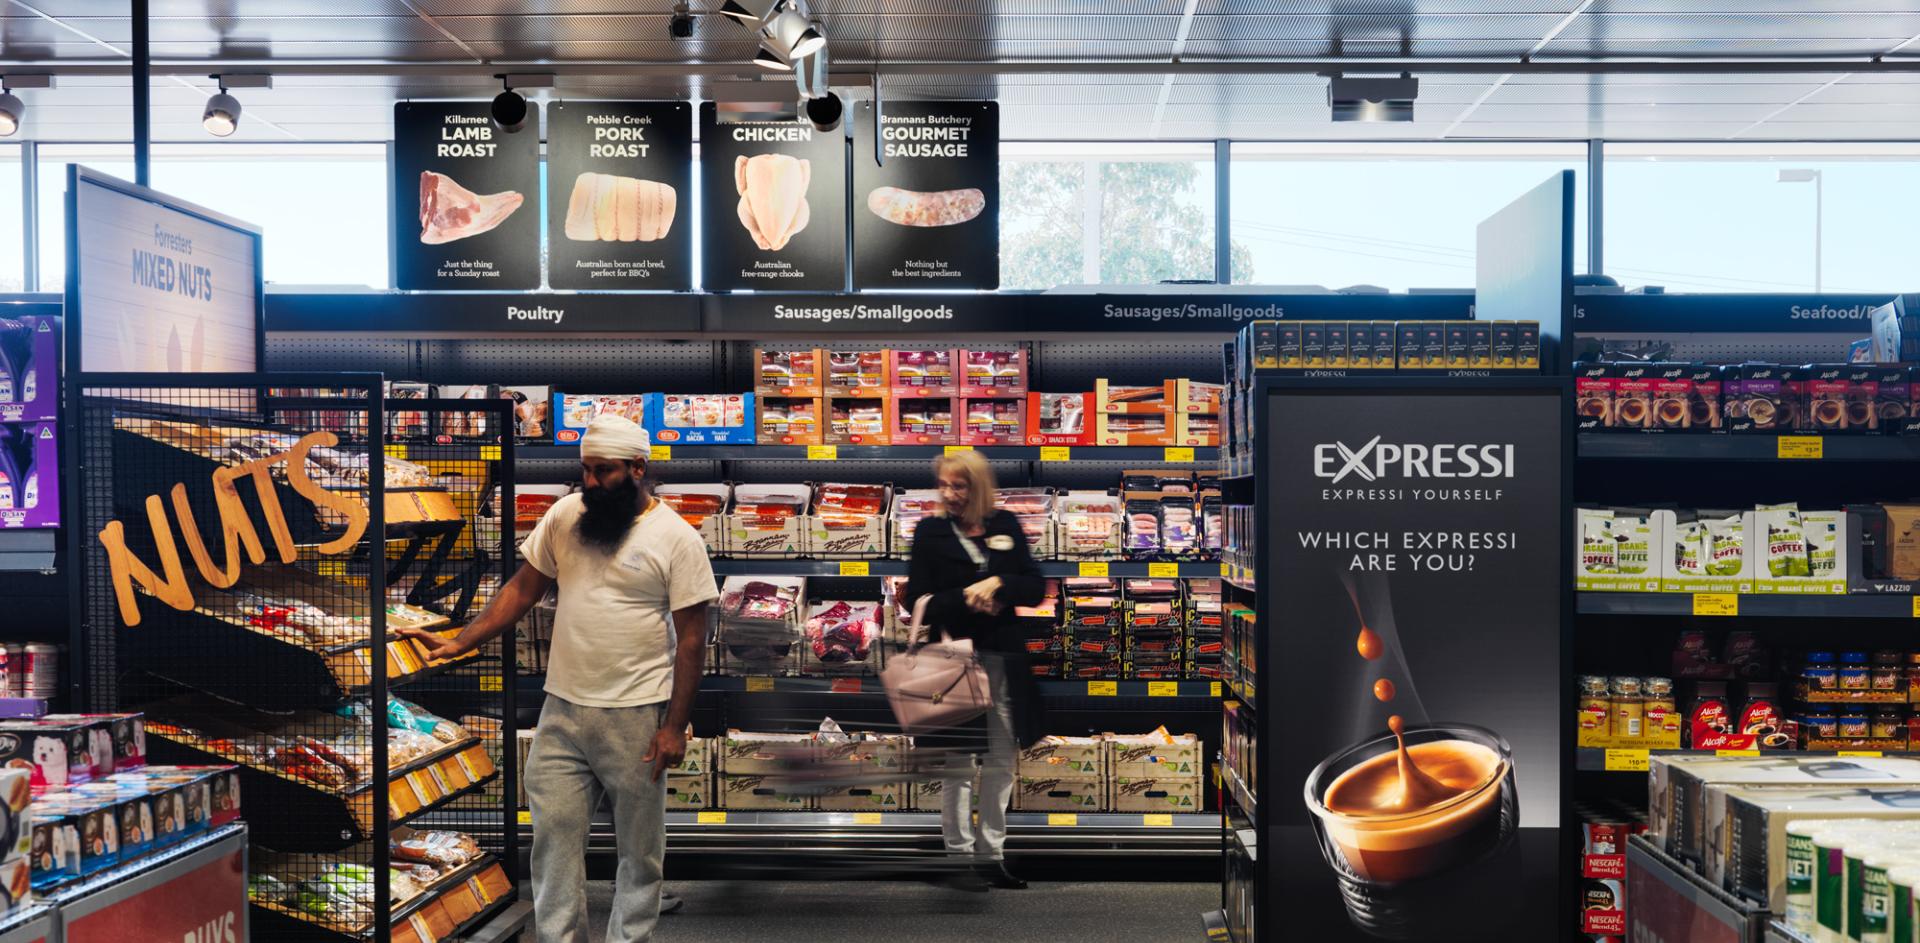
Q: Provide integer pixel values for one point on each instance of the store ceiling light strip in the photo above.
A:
(430, 21)
(1551, 35)
(1179, 49)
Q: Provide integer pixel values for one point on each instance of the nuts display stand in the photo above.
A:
(246, 545)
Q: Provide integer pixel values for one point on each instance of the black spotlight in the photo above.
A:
(681, 26)
(825, 112)
(510, 111)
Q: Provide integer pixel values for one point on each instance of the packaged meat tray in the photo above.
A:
(849, 522)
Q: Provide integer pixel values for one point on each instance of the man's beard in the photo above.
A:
(608, 515)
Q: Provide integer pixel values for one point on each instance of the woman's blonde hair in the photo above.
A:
(980, 485)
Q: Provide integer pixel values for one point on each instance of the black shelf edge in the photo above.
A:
(1883, 606)
(726, 566)
(1594, 759)
(1724, 447)
(870, 685)
(884, 453)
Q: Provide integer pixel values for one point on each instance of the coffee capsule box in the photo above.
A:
(1526, 343)
(1891, 398)
(1339, 345)
(1763, 398)
(1385, 334)
(1592, 396)
(1706, 383)
(1459, 341)
(1288, 351)
(1408, 340)
(1480, 345)
(1677, 786)
(1313, 344)
(1506, 336)
(1433, 345)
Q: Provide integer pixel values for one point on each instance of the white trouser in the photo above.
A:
(986, 837)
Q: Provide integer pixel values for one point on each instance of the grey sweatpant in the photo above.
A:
(580, 755)
(986, 836)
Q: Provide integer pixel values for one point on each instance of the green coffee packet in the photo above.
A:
(1726, 546)
(1599, 551)
(1786, 542)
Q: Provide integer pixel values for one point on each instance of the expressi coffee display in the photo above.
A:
(461, 187)
(1414, 547)
(619, 195)
(927, 202)
(775, 201)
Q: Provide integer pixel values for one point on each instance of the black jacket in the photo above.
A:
(940, 566)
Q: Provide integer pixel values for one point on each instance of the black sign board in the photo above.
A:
(620, 195)
(926, 208)
(775, 198)
(1417, 559)
(1734, 313)
(466, 199)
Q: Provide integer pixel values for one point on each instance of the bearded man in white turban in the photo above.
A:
(629, 639)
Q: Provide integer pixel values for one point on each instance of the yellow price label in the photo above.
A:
(823, 453)
(1164, 570)
(397, 450)
(957, 449)
(1093, 569)
(489, 453)
(1627, 761)
(866, 818)
(1916, 607)
(1859, 753)
(1157, 820)
(1103, 689)
(526, 817)
(759, 685)
(1056, 453)
(1800, 446)
(491, 684)
(1736, 753)
(1163, 689)
(1716, 604)
(710, 818)
(660, 453)
(1216, 689)
(855, 568)
(1226, 570)
(1179, 454)
(338, 568)
(1063, 818)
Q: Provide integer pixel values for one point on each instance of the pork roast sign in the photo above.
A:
(926, 203)
(466, 209)
(775, 197)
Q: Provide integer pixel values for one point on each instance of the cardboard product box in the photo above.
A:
(532, 411)
(1276, 345)
(1433, 345)
(928, 794)
(855, 373)
(993, 421)
(701, 419)
(53, 845)
(1060, 419)
(1158, 794)
(1154, 756)
(1339, 345)
(761, 754)
(1753, 863)
(993, 373)
(169, 813)
(1056, 794)
(923, 372)
(100, 739)
(1892, 394)
(1141, 399)
(877, 753)
(924, 421)
(460, 427)
(758, 793)
(1313, 344)
(866, 797)
(30, 499)
(1480, 345)
(1407, 340)
(1526, 345)
(1192, 429)
(857, 420)
(1193, 396)
(790, 421)
(1592, 396)
(1632, 396)
(60, 754)
(833, 534)
(1763, 398)
(1135, 429)
(704, 506)
(1506, 345)
(99, 832)
(30, 370)
(1360, 355)
(1826, 404)
(1672, 397)
(689, 792)
(573, 412)
(1704, 397)
(16, 797)
(768, 521)
(1459, 341)
(1385, 344)
(1677, 787)
(788, 372)
(1065, 757)
(698, 760)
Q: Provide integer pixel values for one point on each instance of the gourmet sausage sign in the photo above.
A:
(466, 204)
(619, 200)
(927, 204)
(775, 203)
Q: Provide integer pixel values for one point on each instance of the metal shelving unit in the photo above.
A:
(898, 453)
(1880, 606)
(1115, 568)
(1721, 447)
(1594, 759)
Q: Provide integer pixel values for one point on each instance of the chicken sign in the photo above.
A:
(775, 195)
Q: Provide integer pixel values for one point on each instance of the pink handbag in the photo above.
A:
(937, 685)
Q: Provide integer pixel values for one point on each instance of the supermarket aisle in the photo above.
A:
(914, 912)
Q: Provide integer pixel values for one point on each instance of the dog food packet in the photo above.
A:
(1726, 545)
(1822, 530)
(1599, 552)
(1786, 542)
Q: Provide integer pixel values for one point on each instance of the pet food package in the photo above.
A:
(16, 826)
(923, 420)
(704, 506)
(849, 522)
(993, 421)
(768, 521)
(30, 369)
(856, 420)
(573, 412)
(60, 755)
(786, 420)
(29, 476)
(102, 746)
(788, 372)
(913, 373)
(1059, 419)
(532, 411)
(54, 844)
(701, 418)
(993, 373)
(857, 373)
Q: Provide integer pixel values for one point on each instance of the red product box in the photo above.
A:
(787, 372)
(1593, 395)
(1147, 398)
(789, 420)
(1633, 396)
(993, 421)
(1825, 401)
(1672, 397)
(923, 372)
(857, 420)
(993, 373)
(1059, 419)
(923, 421)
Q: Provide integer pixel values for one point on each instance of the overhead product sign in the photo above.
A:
(1417, 560)
(775, 197)
(619, 195)
(160, 286)
(466, 195)
(927, 215)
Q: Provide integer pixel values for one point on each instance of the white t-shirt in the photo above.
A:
(613, 636)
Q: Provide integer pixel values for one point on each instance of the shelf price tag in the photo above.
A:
(1916, 607)
(710, 818)
(1716, 604)
(1098, 568)
(1216, 689)
(759, 685)
(491, 684)
(338, 570)
(855, 568)
(1157, 820)
(1179, 454)
(1056, 453)
(823, 453)
(1627, 761)
(526, 817)
(957, 449)
(1225, 569)
(1859, 753)
(1163, 689)
(1063, 819)
(489, 453)
(846, 686)
(1800, 446)
(1103, 689)
(866, 818)
(1736, 753)
(1170, 571)
(660, 453)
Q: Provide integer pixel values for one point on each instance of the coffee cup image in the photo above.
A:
(1633, 412)
(1593, 407)
(1829, 413)
(1762, 411)
(1422, 840)
(1859, 413)
(1703, 411)
(1671, 412)
(1890, 411)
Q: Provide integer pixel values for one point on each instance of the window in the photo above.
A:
(114, 159)
(1071, 215)
(13, 250)
(1762, 217)
(1393, 215)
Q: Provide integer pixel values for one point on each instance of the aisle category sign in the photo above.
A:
(467, 201)
(926, 208)
(774, 196)
(620, 195)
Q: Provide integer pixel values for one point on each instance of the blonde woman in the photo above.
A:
(973, 561)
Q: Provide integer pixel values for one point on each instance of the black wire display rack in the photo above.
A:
(249, 548)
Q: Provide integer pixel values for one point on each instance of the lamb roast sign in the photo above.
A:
(467, 204)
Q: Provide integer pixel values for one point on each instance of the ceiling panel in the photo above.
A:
(1880, 31)
(1358, 48)
(1788, 46)
(1529, 27)
(1313, 91)
(404, 27)
(1747, 6)
(193, 9)
(1604, 94)
(1407, 8)
(1494, 111)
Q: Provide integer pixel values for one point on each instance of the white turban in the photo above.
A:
(615, 437)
